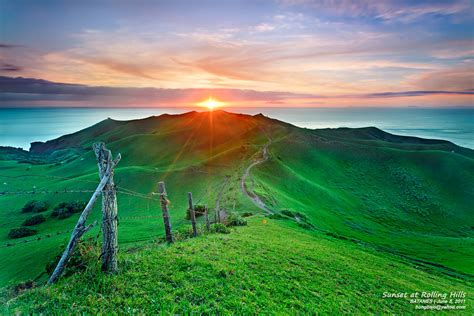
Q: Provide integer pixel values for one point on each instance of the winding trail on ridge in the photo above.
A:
(251, 195)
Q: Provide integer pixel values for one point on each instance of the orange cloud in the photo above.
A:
(450, 79)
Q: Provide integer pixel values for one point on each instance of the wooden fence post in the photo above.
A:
(109, 211)
(192, 214)
(164, 208)
(206, 214)
(80, 228)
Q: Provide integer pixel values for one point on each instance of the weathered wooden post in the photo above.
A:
(192, 214)
(164, 208)
(206, 215)
(80, 228)
(109, 211)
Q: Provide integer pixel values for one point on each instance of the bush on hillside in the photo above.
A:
(85, 255)
(235, 219)
(288, 213)
(22, 286)
(66, 209)
(219, 228)
(183, 232)
(37, 219)
(276, 216)
(294, 214)
(198, 211)
(302, 216)
(34, 206)
(305, 225)
(21, 232)
(302, 220)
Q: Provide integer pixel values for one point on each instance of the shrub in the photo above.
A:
(294, 214)
(66, 209)
(35, 207)
(276, 216)
(288, 213)
(305, 225)
(235, 219)
(198, 211)
(21, 232)
(17, 289)
(183, 232)
(247, 214)
(219, 228)
(85, 254)
(302, 216)
(37, 219)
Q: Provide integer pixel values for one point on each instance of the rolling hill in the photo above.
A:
(359, 196)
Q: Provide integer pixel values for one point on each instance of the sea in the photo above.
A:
(21, 126)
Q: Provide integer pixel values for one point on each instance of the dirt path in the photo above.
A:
(251, 195)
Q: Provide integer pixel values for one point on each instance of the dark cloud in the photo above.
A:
(34, 91)
(29, 89)
(413, 93)
(9, 67)
(4, 45)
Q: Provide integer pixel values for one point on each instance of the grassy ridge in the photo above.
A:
(171, 151)
(269, 266)
(417, 203)
(404, 195)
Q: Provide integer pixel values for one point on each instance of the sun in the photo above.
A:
(211, 103)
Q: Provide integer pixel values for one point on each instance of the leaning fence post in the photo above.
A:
(164, 208)
(206, 215)
(192, 214)
(80, 228)
(109, 211)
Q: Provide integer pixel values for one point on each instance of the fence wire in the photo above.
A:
(37, 238)
(120, 190)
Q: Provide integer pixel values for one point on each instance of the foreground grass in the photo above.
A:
(270, 266)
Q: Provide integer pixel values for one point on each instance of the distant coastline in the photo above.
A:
(21, 126)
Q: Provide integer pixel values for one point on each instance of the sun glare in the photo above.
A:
(211, 103)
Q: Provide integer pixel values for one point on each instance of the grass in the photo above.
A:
(186, 162)
(404, 201)
(269, 266)
(415, 203)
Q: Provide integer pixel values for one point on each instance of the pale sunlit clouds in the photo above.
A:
(345, 53)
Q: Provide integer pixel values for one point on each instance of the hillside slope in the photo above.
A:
(269, 266)
(402, 195)
(381, 190)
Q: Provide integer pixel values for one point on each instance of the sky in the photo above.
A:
(303, 53)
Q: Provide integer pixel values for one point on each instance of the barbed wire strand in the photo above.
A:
(121, 190)
(39, 238)
(47, 176)
(33, 192)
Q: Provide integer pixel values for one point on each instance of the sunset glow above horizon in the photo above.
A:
(278, 53)
(211, 103)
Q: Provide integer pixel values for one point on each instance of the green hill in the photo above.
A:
(357, 192)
